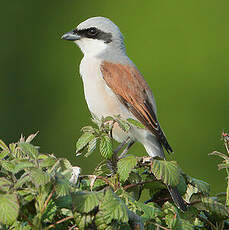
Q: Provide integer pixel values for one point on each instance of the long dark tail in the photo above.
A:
(178, 200)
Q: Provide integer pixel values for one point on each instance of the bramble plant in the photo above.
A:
(40, 191)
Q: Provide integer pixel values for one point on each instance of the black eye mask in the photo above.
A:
(94, 33)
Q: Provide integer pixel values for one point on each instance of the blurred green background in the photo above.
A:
(181, 48)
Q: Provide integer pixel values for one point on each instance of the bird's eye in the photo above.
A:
(92, 32)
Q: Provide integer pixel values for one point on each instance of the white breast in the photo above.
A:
(100, 98)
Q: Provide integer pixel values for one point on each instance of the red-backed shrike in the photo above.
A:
(114, 86)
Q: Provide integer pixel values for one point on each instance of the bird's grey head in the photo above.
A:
(96, 36)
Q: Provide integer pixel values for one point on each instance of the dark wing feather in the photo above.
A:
(132, 90)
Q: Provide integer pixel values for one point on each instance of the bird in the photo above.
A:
(113, 85)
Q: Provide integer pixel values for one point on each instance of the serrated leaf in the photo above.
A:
(182, 224)
(47, 162)
(215, 207)
(4, 153)
(82, 221)
(62, 186)
(83, 141)
(3, 146)
(12, 147)
(166, 171)
(64, 202)
(170, 220)
(99, 221)
(113, 208)
(29, 149)
(123, 125)
(38, 177)
(150, 210)
(23, 179)
(65, 164)
(189, 192)
(135, 191)
(136, 123)
(202, 186)
(87, 129)
(182, 186)
(91, 147)
(106, 146)
(7, 165)
(84, 202)
(22, 164)
(50, 212)
(18, 225)
(4, 184)
(9, 208)
(125, 165)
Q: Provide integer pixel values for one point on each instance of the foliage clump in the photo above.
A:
(40, 191)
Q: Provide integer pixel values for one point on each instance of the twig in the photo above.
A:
(134, 185)
(158, 225)
(47, 201)
(195, 202)
(60, 221)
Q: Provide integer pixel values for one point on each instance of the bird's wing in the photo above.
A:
(133, 91)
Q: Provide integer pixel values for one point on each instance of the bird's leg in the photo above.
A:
(130, 143)
(121, 145)
(112, 163)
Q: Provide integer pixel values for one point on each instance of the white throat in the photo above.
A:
(91, 47)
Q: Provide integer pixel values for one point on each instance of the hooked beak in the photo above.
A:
(71, 36)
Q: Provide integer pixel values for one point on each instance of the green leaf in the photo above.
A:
(29, 149)
(91, 147)
(87, 129)
(150, 210)
(215, 207)
(50, 212)
(182, 224)
(202, 186)
(4, 153)
(84, 202)
(106, 146)
(22, 164)
(83, 141)
(62, 186)
(136, 123)
(38, 177)
(166, 171)
(99, 221)
(9, 208)
(125, 165)
(47, 162)
(182, 187)
(4, 184)
(8, 165)
(3, 146)
(189, 192)
(113, 208)
(82, 221)
(123, 125)
(135, 191)
(23, 179)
